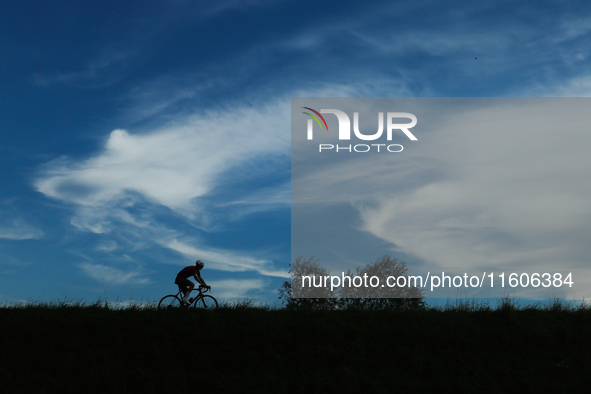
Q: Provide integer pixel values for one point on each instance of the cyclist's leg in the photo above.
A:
(180, 282)
(183, 285)
(188, 288)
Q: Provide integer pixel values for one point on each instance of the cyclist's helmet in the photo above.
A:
(199, 264)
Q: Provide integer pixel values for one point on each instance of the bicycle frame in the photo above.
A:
(180, 294)
(200, 300)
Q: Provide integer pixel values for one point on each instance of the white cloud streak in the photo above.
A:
(227, 261)
(227, 289)
(174, 165)
(18, 229)
(513, 193)
(113, 276)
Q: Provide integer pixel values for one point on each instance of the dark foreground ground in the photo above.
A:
(81, 349)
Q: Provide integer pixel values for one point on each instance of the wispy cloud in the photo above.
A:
(577, 86)
(518, 205)
(227, 289)
(112, 275)
(174, 165)
(108, 246)
(99, 72)
(18, 229)
(227, 261)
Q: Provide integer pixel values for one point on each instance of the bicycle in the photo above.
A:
(199, 301)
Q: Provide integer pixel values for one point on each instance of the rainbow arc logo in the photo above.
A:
(315, 118)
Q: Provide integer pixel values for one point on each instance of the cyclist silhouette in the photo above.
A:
(185, 284)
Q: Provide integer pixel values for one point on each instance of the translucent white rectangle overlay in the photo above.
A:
(461, 197)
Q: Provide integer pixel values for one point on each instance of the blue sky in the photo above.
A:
(139, 136)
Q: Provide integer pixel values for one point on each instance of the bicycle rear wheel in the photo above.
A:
(206, 302)
(169, 302)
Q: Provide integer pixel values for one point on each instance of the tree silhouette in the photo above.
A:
(294, 295)
(403, 293)
(351, 293)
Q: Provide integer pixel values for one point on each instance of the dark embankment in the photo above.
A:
(97, 349)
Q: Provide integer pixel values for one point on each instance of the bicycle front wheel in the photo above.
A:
(206, 302)
(169, 302)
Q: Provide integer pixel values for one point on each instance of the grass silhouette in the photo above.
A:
(72, 346)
